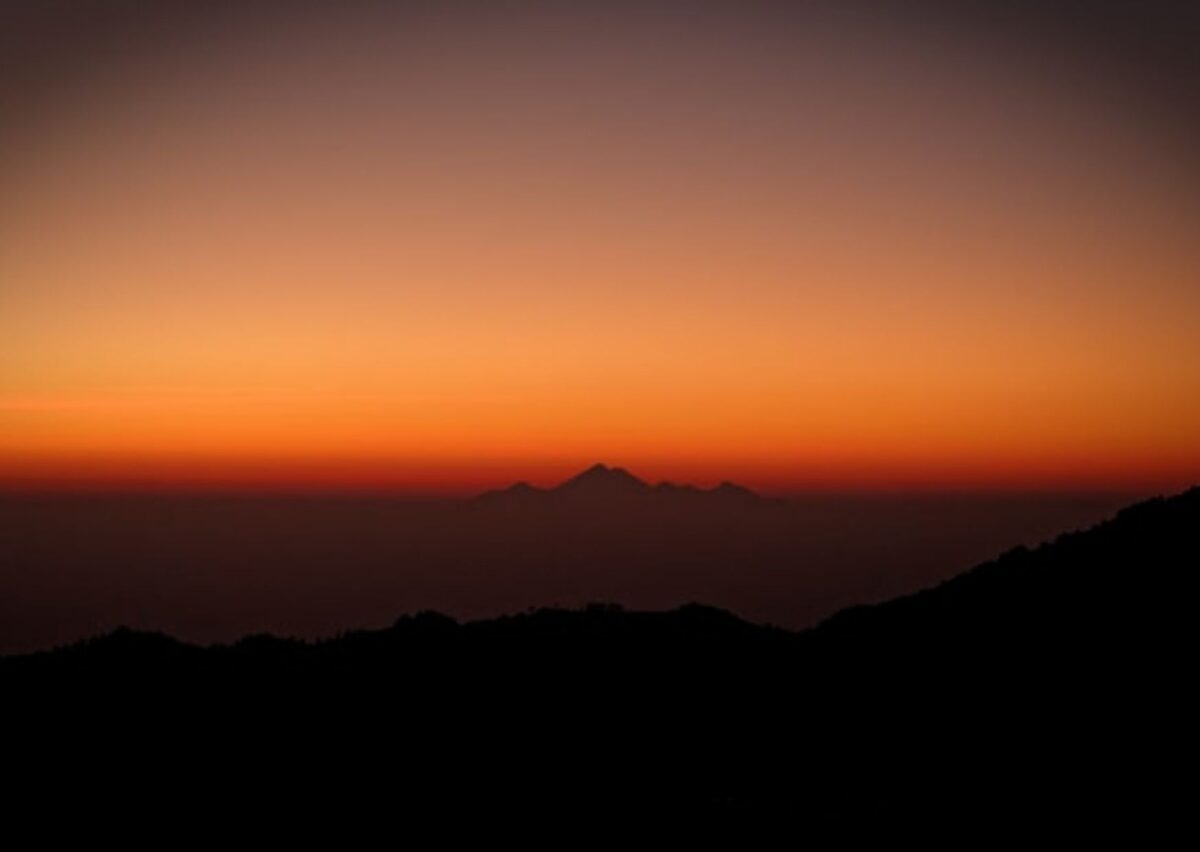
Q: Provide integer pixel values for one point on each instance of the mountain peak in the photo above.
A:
(602, 478)
(519, 491)
(614, 485)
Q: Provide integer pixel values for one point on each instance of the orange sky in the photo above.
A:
(441, 257)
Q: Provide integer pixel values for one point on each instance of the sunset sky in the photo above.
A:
(440, 247)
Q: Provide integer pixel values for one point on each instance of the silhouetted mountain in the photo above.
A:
(1049, 687)
(518, 492)
(1112, 584)
(601, 479)
(601, 487)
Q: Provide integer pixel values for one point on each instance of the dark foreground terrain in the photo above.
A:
(1046, 688)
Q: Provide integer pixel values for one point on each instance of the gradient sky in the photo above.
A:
(438, 247)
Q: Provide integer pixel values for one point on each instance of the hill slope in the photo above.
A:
(1047, 685)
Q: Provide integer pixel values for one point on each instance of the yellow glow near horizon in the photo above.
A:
(447, 259)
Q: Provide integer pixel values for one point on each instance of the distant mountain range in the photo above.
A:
(602, 485)
(1049, 688)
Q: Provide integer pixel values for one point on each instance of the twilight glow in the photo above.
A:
(374, 249)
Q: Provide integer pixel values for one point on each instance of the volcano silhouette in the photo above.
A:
(602, 480)
(604, 486)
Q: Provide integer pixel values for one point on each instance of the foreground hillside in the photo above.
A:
(1047, 685)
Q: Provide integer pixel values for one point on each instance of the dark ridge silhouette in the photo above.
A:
(732, 489)
(601, 486)
(601, 479)
(518, 491)
(1045, 689)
